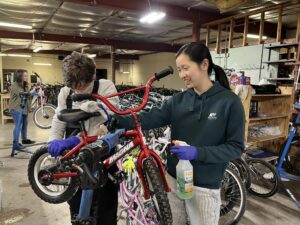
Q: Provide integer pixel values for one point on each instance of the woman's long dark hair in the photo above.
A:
(197, 52)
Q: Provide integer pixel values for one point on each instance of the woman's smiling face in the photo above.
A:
(189, 71)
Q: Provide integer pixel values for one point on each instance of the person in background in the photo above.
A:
(21, 85)
(79, 73)
(210, 118)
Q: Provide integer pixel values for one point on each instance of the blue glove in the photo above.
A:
(112, 139)
(185, 152)
(56, 147)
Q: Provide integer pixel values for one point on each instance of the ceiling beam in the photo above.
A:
(119, 44)
(64, 52)
(176, 12)
(51, 17)
(120, 56)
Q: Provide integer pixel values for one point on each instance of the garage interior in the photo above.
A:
(256, 39)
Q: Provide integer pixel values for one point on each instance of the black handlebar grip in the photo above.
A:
(80, 97)
(164, 73)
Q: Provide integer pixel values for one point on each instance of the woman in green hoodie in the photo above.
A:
(210, 118)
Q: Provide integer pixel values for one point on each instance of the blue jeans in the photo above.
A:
(23, 126)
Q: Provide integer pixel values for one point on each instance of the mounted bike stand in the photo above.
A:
(283, 174)
(16, 146)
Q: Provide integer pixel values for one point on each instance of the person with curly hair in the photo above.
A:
(79, 73)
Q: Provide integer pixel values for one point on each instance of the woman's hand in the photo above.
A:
(184, 151)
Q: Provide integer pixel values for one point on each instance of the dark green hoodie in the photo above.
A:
(214, 122)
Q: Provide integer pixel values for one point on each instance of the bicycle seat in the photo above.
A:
(75, 115)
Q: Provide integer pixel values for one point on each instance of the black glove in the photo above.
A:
(112, 125)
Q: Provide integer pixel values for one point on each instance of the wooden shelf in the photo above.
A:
(272, 95)
(280, 78)
(254, 141)
(256, 119)
(292, 63)
(4, 105)
(280, 61)
(281, 45)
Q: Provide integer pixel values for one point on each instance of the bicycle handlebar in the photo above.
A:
(157, 76)
(164, 73)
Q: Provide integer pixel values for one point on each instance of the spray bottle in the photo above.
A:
(184, 174)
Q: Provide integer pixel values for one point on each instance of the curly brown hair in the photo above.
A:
(78, 70)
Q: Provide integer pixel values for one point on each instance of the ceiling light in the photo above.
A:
(18, 55)
(37, 49)
(256, 36)
(126, 72)
(3, 54)
(92, 55)
(152, 17)
(15, 25)
(42, 64)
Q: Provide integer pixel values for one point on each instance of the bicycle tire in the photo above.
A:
(40, 190)
(38, 113)
(154, 179)
(244, 172)
(261, 170)
(233, 197)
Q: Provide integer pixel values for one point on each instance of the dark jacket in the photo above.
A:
(214, 122)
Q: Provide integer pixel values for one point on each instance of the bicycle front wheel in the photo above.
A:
(161, 210)
(42, 116)
(233, 197)
(264, 178)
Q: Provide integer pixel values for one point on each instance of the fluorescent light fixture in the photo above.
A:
(92, 55)
(152, 17)
(256, 36)
(37, 49)
(18, 55)
(15, 55)
(126, 72)
(42, 64)
(15, 25)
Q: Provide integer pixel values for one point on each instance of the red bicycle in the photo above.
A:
(56, 180)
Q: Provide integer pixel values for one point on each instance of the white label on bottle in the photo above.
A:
(188, 188)
(188, 175)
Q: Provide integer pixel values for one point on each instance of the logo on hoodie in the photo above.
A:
(212, 116)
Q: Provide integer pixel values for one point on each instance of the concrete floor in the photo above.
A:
(20, 206)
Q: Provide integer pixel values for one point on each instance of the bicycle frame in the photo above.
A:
(281, 172)
(40, 99)
(137, 139)
(135, 134)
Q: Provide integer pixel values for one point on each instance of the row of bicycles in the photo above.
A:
(140, 157)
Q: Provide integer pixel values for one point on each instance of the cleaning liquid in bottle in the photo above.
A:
(184, 174)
